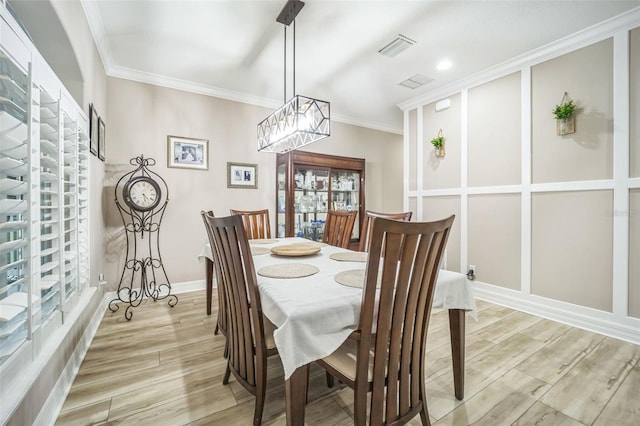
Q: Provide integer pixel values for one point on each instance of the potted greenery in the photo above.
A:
(438, 144)
(564, 114)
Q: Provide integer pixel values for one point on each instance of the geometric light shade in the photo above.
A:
(300, 121)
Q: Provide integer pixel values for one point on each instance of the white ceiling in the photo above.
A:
(234, 48)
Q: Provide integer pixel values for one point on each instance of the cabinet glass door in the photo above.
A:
(282, 201)
(311, 201)
(345, 194)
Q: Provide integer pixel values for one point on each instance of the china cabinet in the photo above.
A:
(44, 217)
(310, 184)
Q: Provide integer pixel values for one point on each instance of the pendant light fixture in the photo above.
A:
(301, 120)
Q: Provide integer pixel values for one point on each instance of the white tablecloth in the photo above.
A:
(314, 315)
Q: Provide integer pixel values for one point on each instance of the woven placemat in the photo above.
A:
(350, 256)
(255, 251)
(353, 278)
(264, 241)
(288, 270)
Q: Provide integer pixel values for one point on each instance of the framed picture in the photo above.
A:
(93, 130)
(102, 139)
(187, 153)
(241, 175)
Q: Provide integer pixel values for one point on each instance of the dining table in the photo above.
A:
(315, 313)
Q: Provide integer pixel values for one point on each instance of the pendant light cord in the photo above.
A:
(285, 65)
(294, 58)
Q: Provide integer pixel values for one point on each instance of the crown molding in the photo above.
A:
(590, 35)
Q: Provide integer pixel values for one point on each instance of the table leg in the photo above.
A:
(457, 331)
(209, 283)
(296, 395)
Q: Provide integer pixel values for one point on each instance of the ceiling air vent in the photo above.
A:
(396, 46)
(416, 81)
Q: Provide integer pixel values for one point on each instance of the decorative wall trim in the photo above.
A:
(601, 322)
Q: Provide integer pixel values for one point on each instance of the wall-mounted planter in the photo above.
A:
(566, 126)
(565, 116)
(438, 144)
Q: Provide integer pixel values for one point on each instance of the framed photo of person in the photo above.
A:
(241, 175)
(187, 153)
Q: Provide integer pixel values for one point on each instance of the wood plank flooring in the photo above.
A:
(165, 367)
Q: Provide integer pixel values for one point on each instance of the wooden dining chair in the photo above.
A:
(249, 333)
(338, 228)
(221, 322)
(256, 223)
(367, 225)
(385, 355)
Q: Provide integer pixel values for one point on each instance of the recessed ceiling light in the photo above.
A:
(444, 65)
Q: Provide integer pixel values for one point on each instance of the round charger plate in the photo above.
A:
(255, 251)
(264, 241)
(352, 278)
(350, 256)
(288, 270)
(296, 249)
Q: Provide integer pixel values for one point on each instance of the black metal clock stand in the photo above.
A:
(143, 265)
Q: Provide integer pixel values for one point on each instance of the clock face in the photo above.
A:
(142, 193)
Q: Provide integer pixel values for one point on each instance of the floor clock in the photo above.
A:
(142, 197)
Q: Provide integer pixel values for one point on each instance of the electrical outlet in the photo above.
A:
(471, 272)
(101, 279)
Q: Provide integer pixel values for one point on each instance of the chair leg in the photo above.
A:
(257, 414)
(424, 415)
(227, 373)
(330, 380)
(217, 330)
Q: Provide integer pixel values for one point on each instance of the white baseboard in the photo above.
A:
(623, 328)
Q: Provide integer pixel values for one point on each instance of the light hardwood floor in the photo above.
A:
(165, 367)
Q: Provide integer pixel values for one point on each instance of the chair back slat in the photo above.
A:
(256, 223)
(367, 225)
(406, 256)
(338, 228)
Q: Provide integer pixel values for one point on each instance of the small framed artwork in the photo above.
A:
(93, 130)
(241, 175)
(187, 153)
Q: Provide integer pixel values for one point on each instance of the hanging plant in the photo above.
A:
(438, 144)
(564, 114)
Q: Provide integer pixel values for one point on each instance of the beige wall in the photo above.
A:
(438, 173)
(572, 249)
(634, 104)
(495, 132)
(140, 118)
(436, 208)
(587, 76)
(494, 238)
